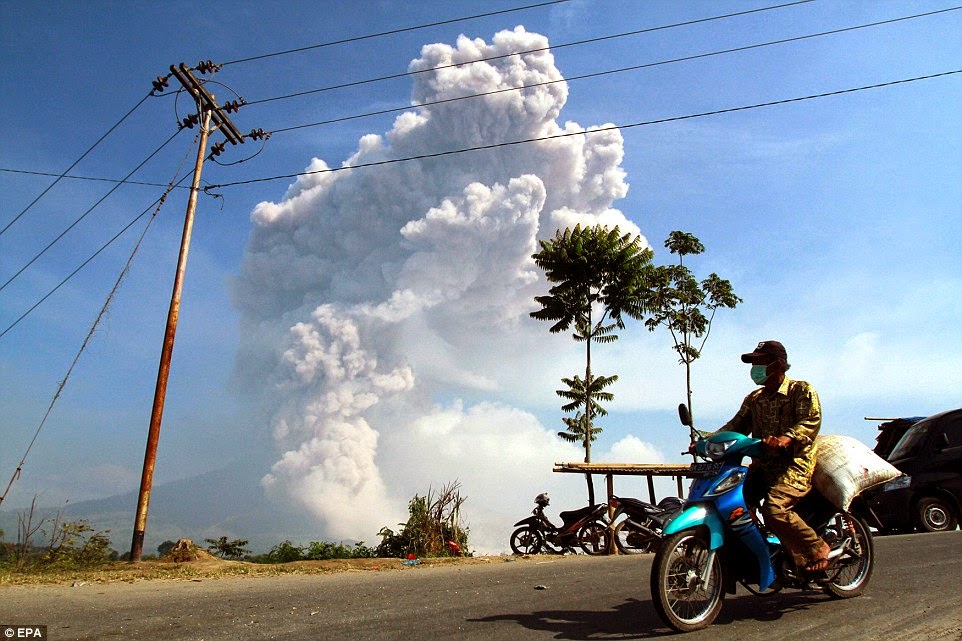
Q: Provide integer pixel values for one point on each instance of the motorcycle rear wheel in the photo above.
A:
(526, 540)
(687, 594)
(855, 565)
(593, 538)
(629, 542)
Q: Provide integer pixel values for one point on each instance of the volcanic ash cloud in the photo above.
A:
(385, 309)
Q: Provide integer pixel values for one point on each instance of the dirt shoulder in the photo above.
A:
(207, 566)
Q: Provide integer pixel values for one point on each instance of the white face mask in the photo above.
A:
(759, 374)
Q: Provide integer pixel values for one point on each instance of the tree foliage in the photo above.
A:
(164, 548)
(323, 550)
(577, 427)
(285, 552)
(684, 305)
(588, 267)
(598, 277)
(227, 549)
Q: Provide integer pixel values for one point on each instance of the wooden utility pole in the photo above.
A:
(208, 111)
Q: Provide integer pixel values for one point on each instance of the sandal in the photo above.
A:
(820, 563)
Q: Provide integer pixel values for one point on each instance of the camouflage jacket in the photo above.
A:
(792, 411)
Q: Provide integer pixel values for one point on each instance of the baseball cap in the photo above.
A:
(765, 351)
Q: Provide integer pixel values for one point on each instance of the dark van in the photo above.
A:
(928, 496)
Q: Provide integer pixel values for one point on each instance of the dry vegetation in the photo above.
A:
(73, 553)
(207, 566)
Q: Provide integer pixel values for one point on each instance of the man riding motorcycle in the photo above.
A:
(787, 416)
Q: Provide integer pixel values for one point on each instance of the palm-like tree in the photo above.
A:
(599, 276)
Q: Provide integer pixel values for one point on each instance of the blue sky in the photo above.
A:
(837, 220)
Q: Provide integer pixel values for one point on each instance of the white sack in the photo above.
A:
(844, 468)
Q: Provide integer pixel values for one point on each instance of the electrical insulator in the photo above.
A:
(217, 149)
(161, 83)
(259, 134)
(190, 121)
(207, 66)
(232, 106)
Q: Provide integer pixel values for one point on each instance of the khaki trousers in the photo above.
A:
(794, 533)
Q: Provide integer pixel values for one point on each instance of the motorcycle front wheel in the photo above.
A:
(593, 538)
(526, 540)
(854, 566)
(686, 582)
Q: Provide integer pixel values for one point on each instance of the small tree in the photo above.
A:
(680, 303)
(227, 549)
(598, 277)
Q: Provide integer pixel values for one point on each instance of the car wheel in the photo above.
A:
(935, 515)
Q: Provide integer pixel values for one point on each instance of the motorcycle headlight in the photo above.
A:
(730, 482)
(716, 450)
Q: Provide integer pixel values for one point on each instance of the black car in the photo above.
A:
(928, 495)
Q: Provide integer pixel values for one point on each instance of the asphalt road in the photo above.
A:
(914, 594)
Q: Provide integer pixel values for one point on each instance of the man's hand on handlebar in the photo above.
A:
(777, 442)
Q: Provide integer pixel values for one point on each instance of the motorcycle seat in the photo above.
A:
(572, 516)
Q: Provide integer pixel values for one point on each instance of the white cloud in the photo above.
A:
(373, 300)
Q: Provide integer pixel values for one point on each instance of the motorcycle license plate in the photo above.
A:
(704, 469)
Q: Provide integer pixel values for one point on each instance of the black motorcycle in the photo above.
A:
(641, 531)
(583, 528)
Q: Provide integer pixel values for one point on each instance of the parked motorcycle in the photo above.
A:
(717, 541)
(584, 528)
(641, 531)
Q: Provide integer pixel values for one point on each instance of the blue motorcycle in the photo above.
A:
(717, 541)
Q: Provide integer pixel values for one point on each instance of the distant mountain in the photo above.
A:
(227, 502)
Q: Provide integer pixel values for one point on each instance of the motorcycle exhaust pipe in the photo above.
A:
(644, 529)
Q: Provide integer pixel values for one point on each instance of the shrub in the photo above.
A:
(285, 552)
(433, 528)
(164, 548)
(323, 550)
(76, 544)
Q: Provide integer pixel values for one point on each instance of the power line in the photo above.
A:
(75, 163)
(88, 178)
(393, 32)
(593, 131)
(531, 86)
(93, 328)
(156, 203)
(521, 53)
(613, 71)
(84, 215)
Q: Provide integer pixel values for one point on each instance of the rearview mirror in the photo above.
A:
(684, 415)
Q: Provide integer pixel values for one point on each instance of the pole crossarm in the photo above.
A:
(206, 102)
